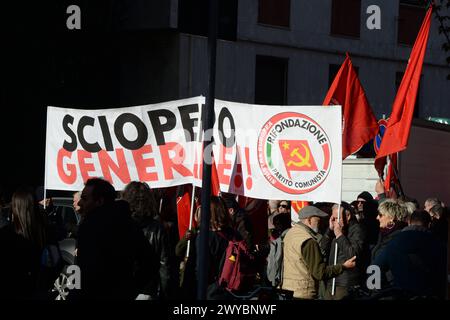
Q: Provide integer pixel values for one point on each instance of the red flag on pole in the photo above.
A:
(391, 181)
(184, 208)
(359, 123)
(395, 138)
(215, 184)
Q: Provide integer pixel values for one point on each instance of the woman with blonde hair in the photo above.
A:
(391, 215)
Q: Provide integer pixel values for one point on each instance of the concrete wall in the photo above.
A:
(425, 164)
(358, 175)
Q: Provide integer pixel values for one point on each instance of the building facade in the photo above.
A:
(291, 57)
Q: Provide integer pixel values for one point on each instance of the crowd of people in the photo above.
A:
(128, 246)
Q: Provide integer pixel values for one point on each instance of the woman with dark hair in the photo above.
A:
(20, 244)
(141, 199)
(220, 219)
(43, 257)
(144, 210)
(27, 220)
(220, 233)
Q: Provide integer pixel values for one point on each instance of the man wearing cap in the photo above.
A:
(303, 263)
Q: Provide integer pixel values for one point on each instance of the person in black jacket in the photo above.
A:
(53, 218)
(113, 255)
(22, 245)
(239, 219)
(19, 265)
(144, 208)
(439, 224)
(351, 241)
(220, 233)
(414, 263)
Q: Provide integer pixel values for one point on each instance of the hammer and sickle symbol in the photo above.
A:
(304, 161)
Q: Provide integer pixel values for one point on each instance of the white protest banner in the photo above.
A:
(279, 152)
(151, 143)
(266, 152)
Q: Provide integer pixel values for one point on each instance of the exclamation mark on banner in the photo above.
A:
(249, 180)
(238, 170)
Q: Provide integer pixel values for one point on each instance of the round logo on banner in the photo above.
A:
(294, 153)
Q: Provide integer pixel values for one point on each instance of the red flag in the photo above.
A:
(396, 136)
(296, 206)
(390, 179)
(215, 184)
(392, 184)
(236, 181)
(359, 123)
(184, 208)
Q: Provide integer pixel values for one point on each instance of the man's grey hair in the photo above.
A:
(433, 201)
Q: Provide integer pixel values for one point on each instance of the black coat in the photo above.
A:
(242, 224)
(439, 228)
(19, 266)
(113, 255)
(352, 243)
(217, 247)
(162, 276)
(384, 239)
(416, 262)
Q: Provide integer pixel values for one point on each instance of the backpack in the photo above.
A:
(275, 260)
(237, 272)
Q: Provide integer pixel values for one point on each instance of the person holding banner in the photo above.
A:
(188, 285)
(351, 241)
(303, 263)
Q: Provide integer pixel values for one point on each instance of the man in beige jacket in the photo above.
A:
(303, 263)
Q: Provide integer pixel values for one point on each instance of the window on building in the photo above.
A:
(346, 18)
(410, 17)
(333, 70)
(193, 18)
(274, 12)
(271, 80)
(398, 81)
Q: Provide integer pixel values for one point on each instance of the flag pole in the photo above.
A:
(398, 177)
(199, 138)
(190, 222)
(206, 181)
(333, 285)
(45, 161)
(386, 168)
